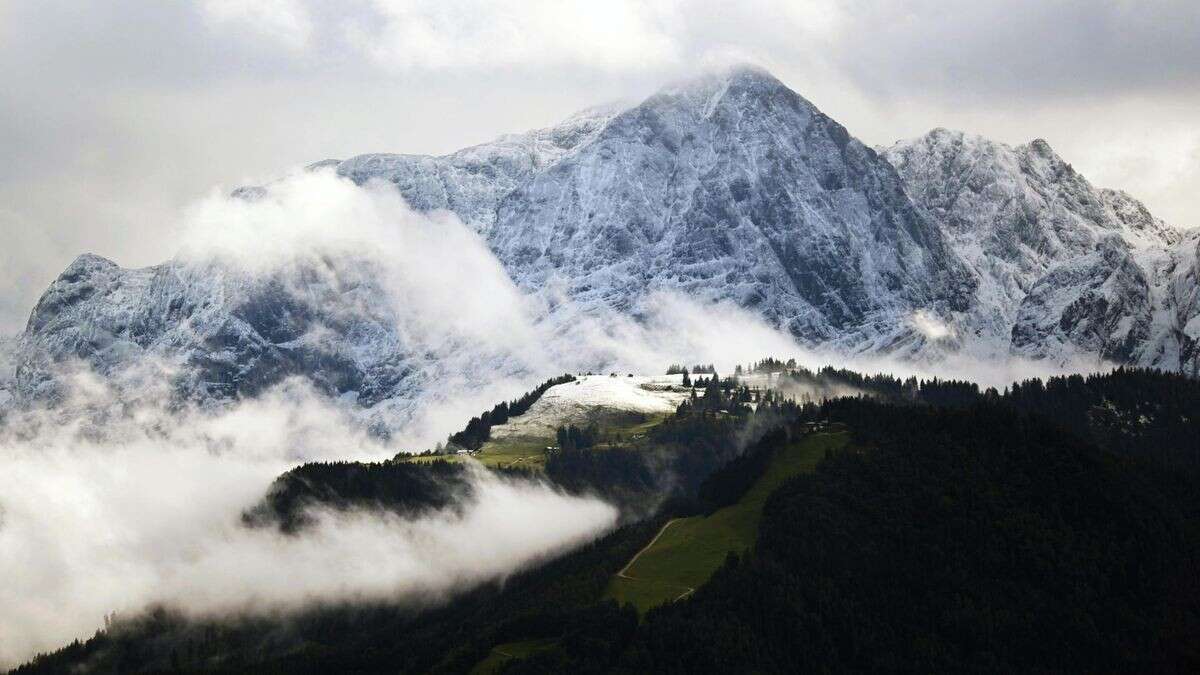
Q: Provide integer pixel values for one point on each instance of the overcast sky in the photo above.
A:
(115, 115)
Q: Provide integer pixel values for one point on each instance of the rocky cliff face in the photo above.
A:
(1064, 271)
(729, 187)
(473, 181)
(735, 188)
(217, 331)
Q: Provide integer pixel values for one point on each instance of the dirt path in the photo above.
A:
(645, 548)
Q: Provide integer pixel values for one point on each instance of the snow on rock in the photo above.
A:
(8, 368)
(1096, 304)
(733, 187)
(1063, 270)
(473, 181)
(729, 187)
(217, 331)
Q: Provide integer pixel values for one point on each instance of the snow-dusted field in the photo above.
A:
(595, 398)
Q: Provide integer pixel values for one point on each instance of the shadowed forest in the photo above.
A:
(1054, 525)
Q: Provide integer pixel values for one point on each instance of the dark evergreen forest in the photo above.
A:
(1052, 526)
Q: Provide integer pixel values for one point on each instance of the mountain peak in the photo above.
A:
(87, 263)
(942, 133)
(737, 71)
(715, 83)
(1041, 148)
(730, 186)
(724, 187)
(947, 140)
(749, 72)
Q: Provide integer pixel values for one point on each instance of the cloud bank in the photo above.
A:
(481, 339)
(119, 497)
(146, 509)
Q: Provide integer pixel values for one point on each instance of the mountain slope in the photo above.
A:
(1064, 271)
(216, 330)
(471, 182)
(734, 187)
(728, 187)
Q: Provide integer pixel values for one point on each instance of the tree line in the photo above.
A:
(479, 429)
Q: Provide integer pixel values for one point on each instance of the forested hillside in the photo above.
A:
(1052, 526)
(945, 541)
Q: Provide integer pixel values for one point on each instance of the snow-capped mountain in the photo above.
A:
(1063, 270)
(726, 187)
(8, 346)
(473, 181)
(217, 330)
(734, 187)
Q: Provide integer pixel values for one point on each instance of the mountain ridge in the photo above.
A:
(728, 187)
(1068, 269)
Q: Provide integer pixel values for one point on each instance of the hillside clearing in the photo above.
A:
(622, 407)
(688, 550)
(503, 653)
(601, 399)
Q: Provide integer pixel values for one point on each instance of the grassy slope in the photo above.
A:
(508, 651)
(691, 549)
(509, 452)
(530, 451)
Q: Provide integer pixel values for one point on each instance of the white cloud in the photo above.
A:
(286, 21)
(443, 280)
(473, 34)
(1159, 165)
(930, 325)
(146, 509)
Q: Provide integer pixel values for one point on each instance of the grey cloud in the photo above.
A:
(1026, 48)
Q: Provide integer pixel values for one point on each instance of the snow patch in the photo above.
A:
(596, 398)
